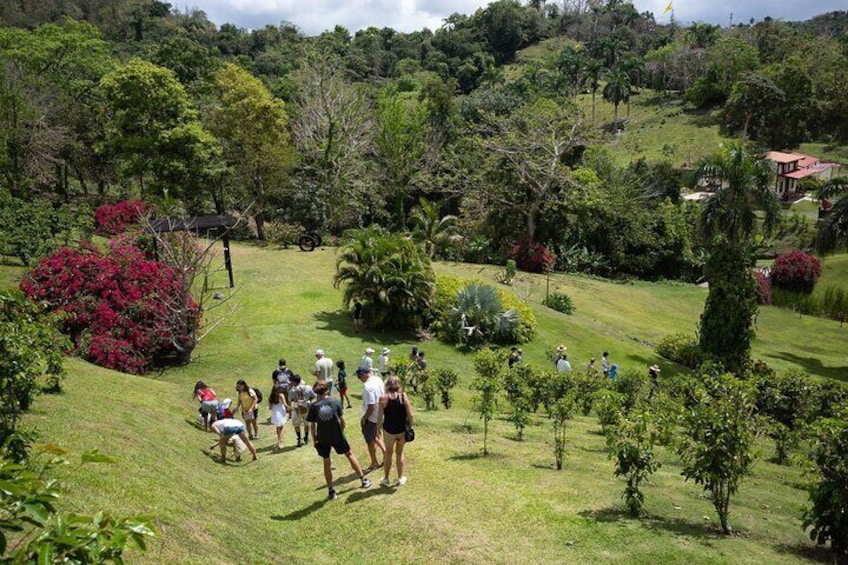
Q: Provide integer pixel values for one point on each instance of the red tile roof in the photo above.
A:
(799, 174)
(781, 157)
(807, 162)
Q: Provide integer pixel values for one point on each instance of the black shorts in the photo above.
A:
(369, 431)
(342, 447)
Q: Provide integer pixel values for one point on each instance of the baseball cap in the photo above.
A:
(363, 369)
(369, 350)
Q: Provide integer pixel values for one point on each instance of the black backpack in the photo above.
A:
(258, 394)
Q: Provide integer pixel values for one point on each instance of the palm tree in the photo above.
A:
(593, 68)
(431, 228)
(617, 89)
(728, 225)
(833, 229)
(390, 275)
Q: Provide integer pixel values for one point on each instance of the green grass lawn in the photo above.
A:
(458, 507)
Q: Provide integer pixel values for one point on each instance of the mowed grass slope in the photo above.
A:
(458, 507)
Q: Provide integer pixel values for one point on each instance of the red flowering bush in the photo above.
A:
(114, 219)
(763, 288)
(532, 257)
(117, 308)
(796, 271)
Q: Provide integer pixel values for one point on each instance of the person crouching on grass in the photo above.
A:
(227, 428)
(327, 424)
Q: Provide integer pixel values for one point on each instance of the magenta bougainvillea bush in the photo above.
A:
(114, 219)
(117, 306)
(796, 271)
(532, 257)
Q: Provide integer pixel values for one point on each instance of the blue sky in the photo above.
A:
(314, 16)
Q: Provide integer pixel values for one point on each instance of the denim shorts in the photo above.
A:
(233, 430)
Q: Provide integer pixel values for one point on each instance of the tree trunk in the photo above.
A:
(259, 218)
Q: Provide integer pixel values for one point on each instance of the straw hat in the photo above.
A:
(655, 368)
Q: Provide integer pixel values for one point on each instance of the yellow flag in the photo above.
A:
(668, 8)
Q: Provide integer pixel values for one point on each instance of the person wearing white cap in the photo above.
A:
(323, 368)
(366, 360)
(383, 362)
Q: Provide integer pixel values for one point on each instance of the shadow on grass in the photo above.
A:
(272, 449)
(349, 478)
(303, 512)
(814, 366)
(476, 455)
(342, 322)
(818, 554)
(368, 493)
(674, 526)
(545, 466)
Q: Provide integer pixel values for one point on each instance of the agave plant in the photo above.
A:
(479, 317)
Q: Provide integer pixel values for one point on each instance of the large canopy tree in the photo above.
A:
(252, 127)
(833, 229)
(729, 224)
(529, 153)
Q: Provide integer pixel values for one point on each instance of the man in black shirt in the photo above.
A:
(327, 424)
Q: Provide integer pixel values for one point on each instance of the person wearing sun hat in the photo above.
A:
(367, 360)
(383, 362)
(653, 373)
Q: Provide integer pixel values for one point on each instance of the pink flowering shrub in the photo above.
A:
(796, 271)
(763, 288)
(114, 219)
(532, 257)
(117, 307)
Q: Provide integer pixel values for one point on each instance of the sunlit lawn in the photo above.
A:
(458, 507)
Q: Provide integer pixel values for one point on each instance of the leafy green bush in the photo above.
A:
(31, 357)
(632, 385)
(608, 407)
(681, 348)
(826, 516)
(560, 302)
(718, 443)
(283, 234)
(445, 380)
(516, 386)
(788, 400)
(30, 230)
(473, 313)
(631, 443)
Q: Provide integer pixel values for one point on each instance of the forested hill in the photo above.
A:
(135, 98)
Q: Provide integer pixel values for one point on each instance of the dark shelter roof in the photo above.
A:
(198, 223)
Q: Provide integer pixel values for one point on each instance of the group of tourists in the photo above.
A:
(385, 420)
(563, 365)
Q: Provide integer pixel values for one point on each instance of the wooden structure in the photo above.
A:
(219, 225)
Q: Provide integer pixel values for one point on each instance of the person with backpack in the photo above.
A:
(301, 397)
(327, 422)
(248, 403)
(281, 376)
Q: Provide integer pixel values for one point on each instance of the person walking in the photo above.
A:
(372, 391)
(301, 397)
(341, 382)
(226, 429)
(562, 364)
(653, 375)
(248, 403)
(323, 367)
(326, 420)
(605, 364)
(282, 376)
(358, 317)
(367, 359)
(280, 411)
(383, 362)
(395, 417)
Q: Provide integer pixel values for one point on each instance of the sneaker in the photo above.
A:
(332, 494)
(384, 482)
(305, 440)
(401, 481)
(299, 443)
(366, 483)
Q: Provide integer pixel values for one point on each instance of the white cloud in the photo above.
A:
(315, 16)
